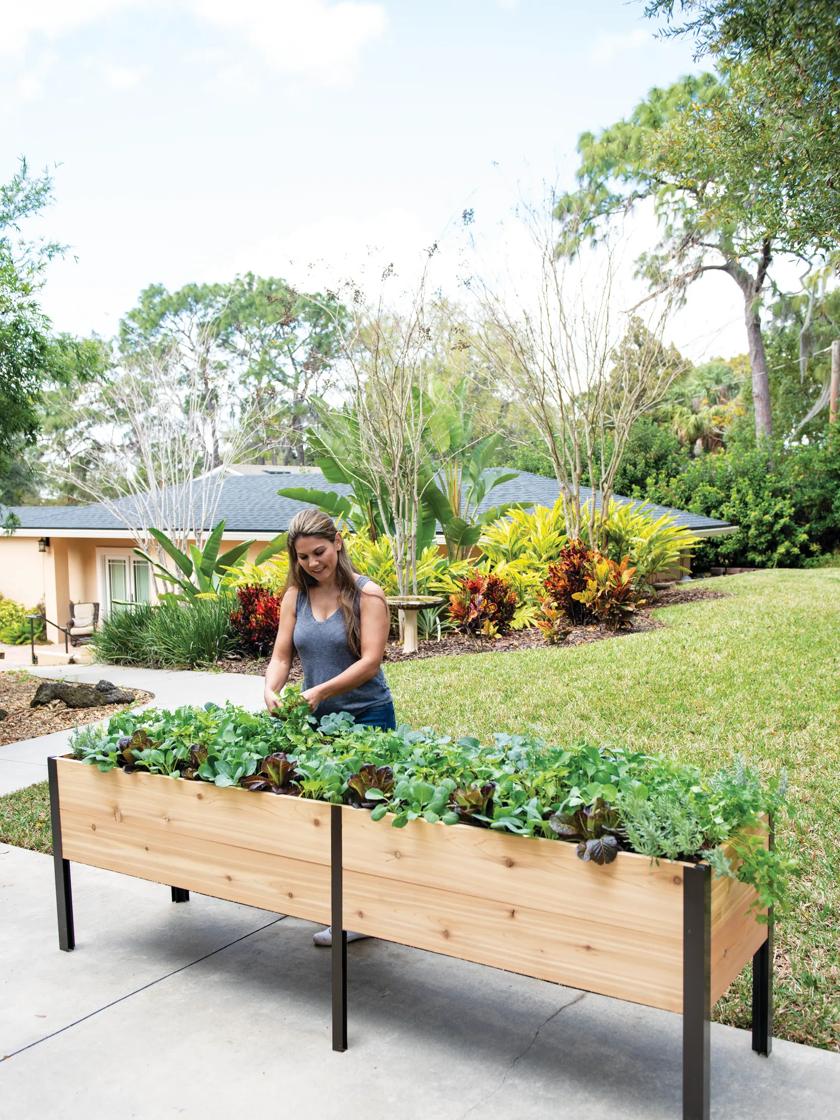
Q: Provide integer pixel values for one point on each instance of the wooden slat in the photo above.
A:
(518, 871)
(736, 933)
(583, 954)
(287, 826)
(272, 882)
(271, 852)
(525, 905)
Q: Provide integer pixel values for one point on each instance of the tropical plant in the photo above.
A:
(271, 574)
(651, 545)
(203, 569)
(609, 595)
(459, 475)
(483, 604)
(256, 618)
(567, 579)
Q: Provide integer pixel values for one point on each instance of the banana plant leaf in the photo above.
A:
(181, 559)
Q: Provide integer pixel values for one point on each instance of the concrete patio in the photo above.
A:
(210, 1009)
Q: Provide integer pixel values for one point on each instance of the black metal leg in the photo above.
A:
(179, 894)
(697, 920)
(339, 937)
(63, 891)
(762, 988)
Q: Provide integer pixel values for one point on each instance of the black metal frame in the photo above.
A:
(63, 889)
(762, 984)
(697, 912)
(697, 989)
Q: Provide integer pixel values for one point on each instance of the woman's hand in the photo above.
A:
(313, 697)
(272, 700)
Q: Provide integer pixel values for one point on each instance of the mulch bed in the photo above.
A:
(456, 644)
(23, 722)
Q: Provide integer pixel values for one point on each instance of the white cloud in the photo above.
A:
(50, 18)
(608, 47)
(123, 77)
(319, 40)
(303, 38)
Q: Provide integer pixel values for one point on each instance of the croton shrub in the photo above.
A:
(604, 800)
(584, 586)
(483, 604)
(257, 617)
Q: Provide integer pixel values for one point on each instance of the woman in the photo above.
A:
(338, 622)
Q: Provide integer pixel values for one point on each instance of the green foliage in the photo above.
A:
(170, 635)
(517, 784)
(25, 346)
(782, 61)
(14, 623)
(263, 341)
(204, 570)
(650, 545)
(751, 488)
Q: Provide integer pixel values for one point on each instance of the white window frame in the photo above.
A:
(103, 555)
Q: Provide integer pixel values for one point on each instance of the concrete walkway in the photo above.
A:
(212, 1010)
(24, 763)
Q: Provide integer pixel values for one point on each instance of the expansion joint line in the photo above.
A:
(137, 991)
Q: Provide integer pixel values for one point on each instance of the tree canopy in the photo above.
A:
(25, 350)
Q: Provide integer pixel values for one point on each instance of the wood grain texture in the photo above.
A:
(271, 852)
(525, 905)
(521, 904)
(736, 932)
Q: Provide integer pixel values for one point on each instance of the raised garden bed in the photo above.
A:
(665, 934)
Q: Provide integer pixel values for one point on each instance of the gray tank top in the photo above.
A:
(324, 653)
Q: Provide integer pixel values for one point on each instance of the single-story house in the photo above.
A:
(84, 553)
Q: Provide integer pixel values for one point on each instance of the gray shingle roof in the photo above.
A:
(250, 504)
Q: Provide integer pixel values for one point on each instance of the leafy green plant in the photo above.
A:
(14, 623)
(202, 570)
(607, 801)
(169, 635)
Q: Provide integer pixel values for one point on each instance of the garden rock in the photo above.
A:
(76, 695)
(3, 713)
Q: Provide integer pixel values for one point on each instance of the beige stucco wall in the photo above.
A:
(24, 571)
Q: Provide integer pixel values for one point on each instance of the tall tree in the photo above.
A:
(24, 329)
(697, 150)
(782, 60)
(254, 339)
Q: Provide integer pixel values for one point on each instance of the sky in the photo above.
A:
(191, 140)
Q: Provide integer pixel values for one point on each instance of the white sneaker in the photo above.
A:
(323, 938)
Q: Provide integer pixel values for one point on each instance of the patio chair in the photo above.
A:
(83, 621)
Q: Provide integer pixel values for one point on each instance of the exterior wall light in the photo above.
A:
(43, 544)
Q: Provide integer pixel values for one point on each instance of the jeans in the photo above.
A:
(384, 717)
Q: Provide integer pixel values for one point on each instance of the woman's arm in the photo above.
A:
(277, 672)
(375, 623)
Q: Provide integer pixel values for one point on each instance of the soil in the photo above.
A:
(23, 722)
(456, 644)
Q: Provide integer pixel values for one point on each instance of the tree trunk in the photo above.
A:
(758, 366)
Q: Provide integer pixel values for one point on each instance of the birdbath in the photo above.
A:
(409, 605)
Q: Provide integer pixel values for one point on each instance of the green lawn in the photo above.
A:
(756, 673)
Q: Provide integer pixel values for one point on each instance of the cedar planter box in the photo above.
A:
(665, 935)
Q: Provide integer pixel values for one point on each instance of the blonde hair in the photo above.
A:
(315, 523)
